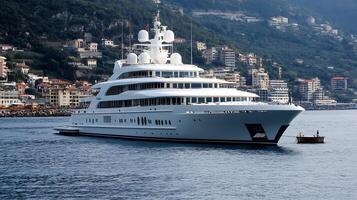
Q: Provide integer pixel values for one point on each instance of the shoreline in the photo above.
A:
(65, 112)
(41, 112)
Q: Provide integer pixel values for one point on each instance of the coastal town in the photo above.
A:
(27, 91)
(38, 95)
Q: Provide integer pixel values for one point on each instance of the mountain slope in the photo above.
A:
(342, 13)
(318, 51)
(24, 24)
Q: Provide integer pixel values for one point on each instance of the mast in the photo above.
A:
(122, 39)
(191, 42)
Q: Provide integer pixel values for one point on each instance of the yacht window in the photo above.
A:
(157, 74)
(136, 74)
(215, 85)
(194, 100)
(187, 100)
(180, 85)
(210, 85)
(174, 85)
(215, 99)
(209, 99)
(187, 85)
(107, 119)
(201, 100)
(205, 85)
(196, 85)
(166, 74)
(184, 74)
(176, 74)
(229, 99)
(114, 90)
(84, 104)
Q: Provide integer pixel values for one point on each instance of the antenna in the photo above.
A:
(122, 39)
(191, 41)
(130, 49)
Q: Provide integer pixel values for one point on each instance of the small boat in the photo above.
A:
(301, 139)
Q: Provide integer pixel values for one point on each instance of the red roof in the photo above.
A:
(339, 78)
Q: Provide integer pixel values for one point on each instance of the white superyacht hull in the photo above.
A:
(258, 124)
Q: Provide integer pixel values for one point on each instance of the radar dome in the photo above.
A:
(169, 36)
(143, 36)
(144, 58)
(132, 58)
(175, 58)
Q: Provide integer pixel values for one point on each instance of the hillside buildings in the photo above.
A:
(260, 78)
(278, 91)
(228, 57)
(3, 68)
(210, 55)
(249, 59)
(108, 43)
(279, 20)
(7, 47)
(224, 55)
(9, 95)
(226, 74)
(307, 88)
(201, 46)
(85, 49)
(339, 83)
(60, 93)
(22, 67)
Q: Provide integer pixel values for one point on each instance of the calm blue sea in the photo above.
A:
(35, 163)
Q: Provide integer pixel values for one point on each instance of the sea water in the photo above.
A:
(35, 163)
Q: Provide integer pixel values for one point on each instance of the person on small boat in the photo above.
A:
(317, 133)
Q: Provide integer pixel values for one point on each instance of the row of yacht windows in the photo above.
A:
(164, 74)
(139, 121)
(115, 90)
(168, 101)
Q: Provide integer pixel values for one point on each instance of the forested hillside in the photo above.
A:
(319, 52)
(25, 23)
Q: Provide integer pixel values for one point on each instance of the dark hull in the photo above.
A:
(310, 140)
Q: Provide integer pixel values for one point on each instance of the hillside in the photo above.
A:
(319, 51)
(342, 13)
(25, 24)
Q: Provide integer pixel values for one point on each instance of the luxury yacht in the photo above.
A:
(154, 96)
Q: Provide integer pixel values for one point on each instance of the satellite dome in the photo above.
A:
(144, 58)
(176, 59)
(169, 36)
(143, 36)
(132, 58)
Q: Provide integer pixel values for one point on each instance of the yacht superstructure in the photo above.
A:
(154, 96)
